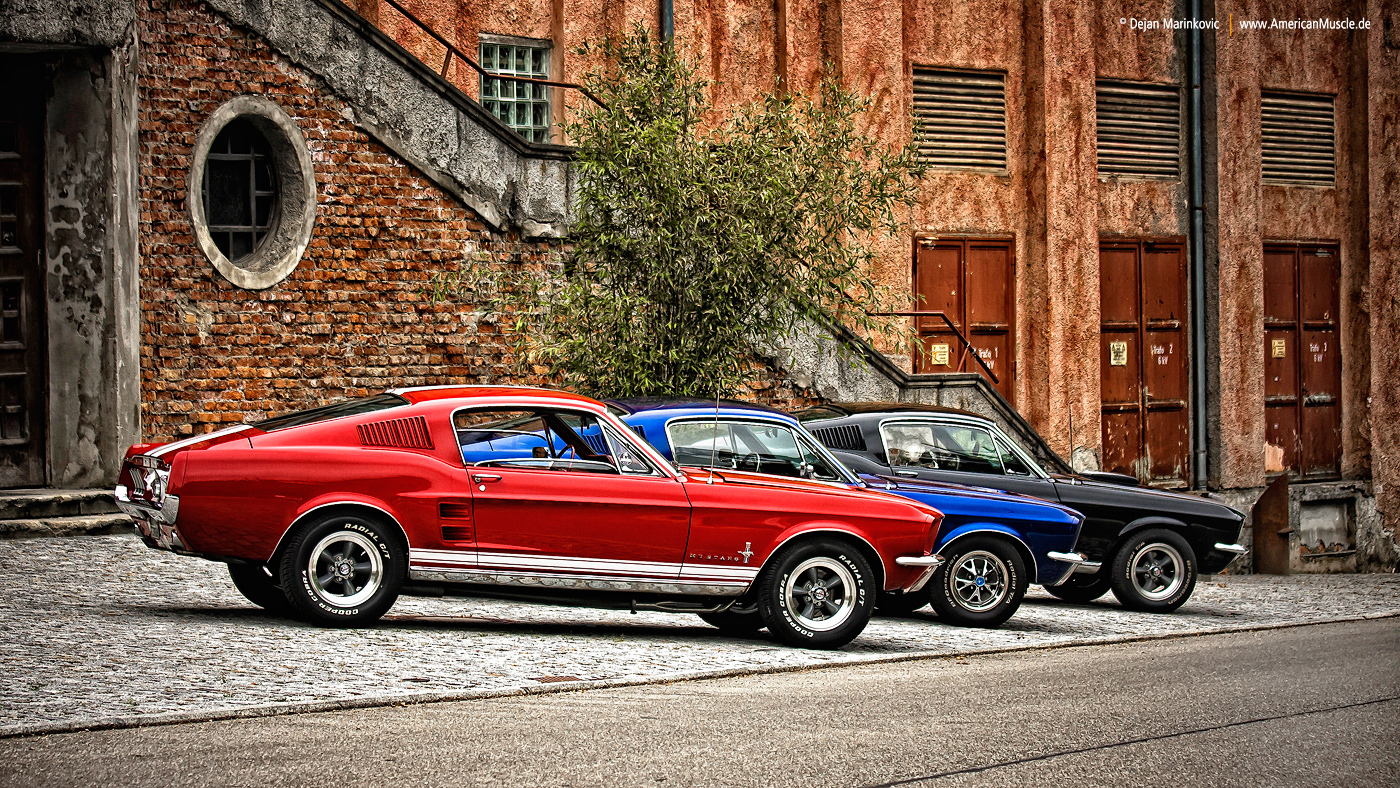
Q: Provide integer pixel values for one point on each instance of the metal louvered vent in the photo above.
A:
(455, 511)
(1139, 129)
(847, 437)
(406, 433)
(961, 117)
(1299, 140)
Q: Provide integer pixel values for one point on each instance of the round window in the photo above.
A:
(252, 192)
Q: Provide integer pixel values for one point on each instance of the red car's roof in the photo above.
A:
(432, 393)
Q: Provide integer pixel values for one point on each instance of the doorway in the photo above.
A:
(1143, 360)
(23, 322)
(972, 281)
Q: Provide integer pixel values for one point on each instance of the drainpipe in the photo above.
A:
(1197, 250)
(668, 20)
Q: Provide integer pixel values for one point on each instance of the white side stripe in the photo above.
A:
(592, 566)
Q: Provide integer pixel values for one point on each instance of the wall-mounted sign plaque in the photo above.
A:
(1280, 347)
(938, 355)
(1118, 354)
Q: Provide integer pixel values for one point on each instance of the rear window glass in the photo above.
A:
(353, 407)
(818, 413)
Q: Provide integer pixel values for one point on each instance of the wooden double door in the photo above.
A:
(23, 322)
(1302, 357)
(1143, 367)
(972, 281)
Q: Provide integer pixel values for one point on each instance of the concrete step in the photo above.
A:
(65, 526)
(49, 503)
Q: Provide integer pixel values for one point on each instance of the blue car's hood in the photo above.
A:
(961, 499)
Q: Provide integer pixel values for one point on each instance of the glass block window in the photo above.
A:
(521, 105)
(240, 192)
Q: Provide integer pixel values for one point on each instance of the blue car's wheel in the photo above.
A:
(982, 583)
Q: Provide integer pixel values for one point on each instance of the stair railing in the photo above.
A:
(452, 50)
(966, 345)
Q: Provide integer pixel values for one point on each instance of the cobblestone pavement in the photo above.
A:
(95, 628)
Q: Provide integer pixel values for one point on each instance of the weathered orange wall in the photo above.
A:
(1051, 199)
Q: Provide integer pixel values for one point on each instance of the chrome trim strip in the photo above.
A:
(922, 580)
(884, 570)
(973, 421)
(303, 515)
(1231, 548)
(577, 582)
(169, 447)
(1088, 567)
(1035, 566)
(934, 561)
(930, 564)
(665, 469)
(1069, 558)
(798, 429)
(594, 566)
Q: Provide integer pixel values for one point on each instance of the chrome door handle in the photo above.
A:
(482, 478)
(907, 474)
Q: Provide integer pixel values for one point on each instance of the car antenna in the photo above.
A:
(714, 440)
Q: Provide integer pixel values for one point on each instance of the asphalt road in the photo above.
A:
(1313, 705)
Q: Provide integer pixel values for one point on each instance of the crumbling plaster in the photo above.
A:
(90, 259)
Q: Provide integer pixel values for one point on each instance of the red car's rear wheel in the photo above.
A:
(255, 584)
(343, 571)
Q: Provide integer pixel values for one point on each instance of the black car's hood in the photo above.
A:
(1144, 497)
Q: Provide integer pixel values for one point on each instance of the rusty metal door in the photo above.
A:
(972, 282)
(1144, 383)
(1302, 358)
(23, 330)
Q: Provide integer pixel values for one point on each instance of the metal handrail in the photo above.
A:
(453, 50)
(966, 345)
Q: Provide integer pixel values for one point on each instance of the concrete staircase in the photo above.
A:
(49, 512)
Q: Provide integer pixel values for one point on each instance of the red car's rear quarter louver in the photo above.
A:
(406, 433)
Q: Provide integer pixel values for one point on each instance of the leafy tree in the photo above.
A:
(702, 235)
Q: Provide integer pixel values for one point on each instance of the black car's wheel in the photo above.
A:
(342, 571)
(982, 583)
(817, 594)
(739, 620)
(1155, 571)
(255, 584)
(1081, 588)
(902, 604)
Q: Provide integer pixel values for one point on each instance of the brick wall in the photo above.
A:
(356, 315)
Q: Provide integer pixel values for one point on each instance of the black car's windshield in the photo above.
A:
(353, 407)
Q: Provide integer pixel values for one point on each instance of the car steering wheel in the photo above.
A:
(757, 462)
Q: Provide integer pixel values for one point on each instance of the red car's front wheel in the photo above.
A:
(817, 594)
(343, 571)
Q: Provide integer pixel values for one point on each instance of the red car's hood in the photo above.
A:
(748, 478)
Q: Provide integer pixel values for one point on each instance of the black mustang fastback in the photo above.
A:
(1146, 545)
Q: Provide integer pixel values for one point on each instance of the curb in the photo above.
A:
(421, 698)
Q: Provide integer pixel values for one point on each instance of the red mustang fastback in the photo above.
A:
(329, 514)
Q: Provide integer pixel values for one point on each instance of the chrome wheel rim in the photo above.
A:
(980, 581)
(1157, 571)
(345, 569)
(821, 593)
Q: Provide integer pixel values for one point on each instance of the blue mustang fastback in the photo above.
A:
(992, 544)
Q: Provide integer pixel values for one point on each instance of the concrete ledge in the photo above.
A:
(81, 525)
(409, 699)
